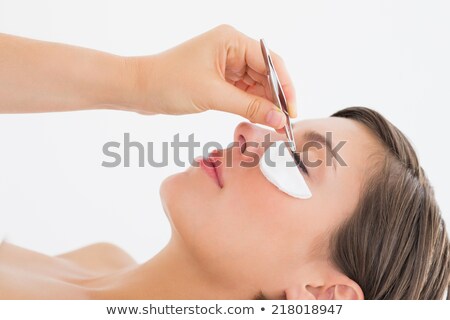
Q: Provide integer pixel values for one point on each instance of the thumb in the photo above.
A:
(255, 108)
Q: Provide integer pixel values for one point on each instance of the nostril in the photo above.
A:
(242, 144)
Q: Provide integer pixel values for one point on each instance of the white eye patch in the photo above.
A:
(278, 166)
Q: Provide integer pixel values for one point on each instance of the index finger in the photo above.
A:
(255, 61)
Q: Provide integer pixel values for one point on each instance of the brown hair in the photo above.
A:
(395, 245)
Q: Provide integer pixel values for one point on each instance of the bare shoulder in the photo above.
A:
(100, 257)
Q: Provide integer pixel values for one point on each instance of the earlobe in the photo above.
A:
(325, 283)
(346, 292)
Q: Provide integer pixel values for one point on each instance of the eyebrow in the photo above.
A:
(315, 136)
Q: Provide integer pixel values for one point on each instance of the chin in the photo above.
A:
(177, 193)
(187, 204)
(169, 192)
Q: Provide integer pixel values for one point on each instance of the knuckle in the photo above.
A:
(226, 28)
(253, 110)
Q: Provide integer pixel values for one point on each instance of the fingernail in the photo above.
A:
(293, 107)
(275, 118)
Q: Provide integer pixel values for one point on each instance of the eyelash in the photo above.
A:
(300, 163)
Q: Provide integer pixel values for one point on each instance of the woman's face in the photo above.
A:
(247, 232)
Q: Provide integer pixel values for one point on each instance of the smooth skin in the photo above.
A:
(226, 243)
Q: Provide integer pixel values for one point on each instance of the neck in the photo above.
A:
(170, 275)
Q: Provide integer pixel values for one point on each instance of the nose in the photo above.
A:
(252, 139)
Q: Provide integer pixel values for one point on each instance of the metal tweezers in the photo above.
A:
(277, 93)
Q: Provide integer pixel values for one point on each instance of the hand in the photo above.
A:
(221, 69)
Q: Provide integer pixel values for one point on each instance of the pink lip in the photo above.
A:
(212, 168)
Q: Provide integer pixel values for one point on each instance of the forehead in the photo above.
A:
(357, 141)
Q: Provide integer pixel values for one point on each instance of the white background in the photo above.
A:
(54, 194)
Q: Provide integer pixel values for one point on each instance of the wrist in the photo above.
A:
(136, 81)
(121, 81)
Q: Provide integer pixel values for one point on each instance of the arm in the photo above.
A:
(38, 76)
(221, 69)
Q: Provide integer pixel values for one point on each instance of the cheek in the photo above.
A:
(334, 201)
(254, 219)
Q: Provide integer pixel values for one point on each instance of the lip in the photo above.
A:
(212, 168)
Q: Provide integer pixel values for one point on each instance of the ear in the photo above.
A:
(346, 289)
(346, 292)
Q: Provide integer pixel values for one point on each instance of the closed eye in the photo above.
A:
(300, 163)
